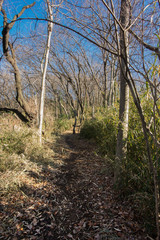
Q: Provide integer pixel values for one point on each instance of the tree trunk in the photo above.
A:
(112, 83)
(105, 83)
(11, 58)
(121, 148)
(1, 3)
(93, 106)
(56, 106)
(44, 71)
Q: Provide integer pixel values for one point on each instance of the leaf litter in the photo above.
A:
(76, 201)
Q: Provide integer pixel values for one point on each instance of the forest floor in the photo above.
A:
(71, 198)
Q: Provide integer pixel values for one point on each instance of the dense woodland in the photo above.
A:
(91, 66)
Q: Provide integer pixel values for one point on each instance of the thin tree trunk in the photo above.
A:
(93, 106)
(44, 71)
(105, 83)
(75, 121)
(121, 148)
(60, 106)
(56, 106)
(111, 92)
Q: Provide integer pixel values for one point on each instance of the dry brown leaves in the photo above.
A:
(77, 201)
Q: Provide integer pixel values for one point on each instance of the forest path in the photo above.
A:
(73, 201)
(89, 209)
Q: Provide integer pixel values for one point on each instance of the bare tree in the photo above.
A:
(44, 69)
(10, 55)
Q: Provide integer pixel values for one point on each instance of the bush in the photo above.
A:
(136, 181)
(103, 130)
(13, 142)
(62, 124)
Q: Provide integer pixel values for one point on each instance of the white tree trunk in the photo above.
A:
(44, 71)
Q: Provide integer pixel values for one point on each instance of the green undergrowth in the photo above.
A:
(62, 124)
(103, 129)
(136, 182)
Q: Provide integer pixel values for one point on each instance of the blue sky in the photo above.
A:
(13, 7)
(26, 27)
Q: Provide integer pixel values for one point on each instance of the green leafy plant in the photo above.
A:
(62, 124)
(136, 181)
(103, 129)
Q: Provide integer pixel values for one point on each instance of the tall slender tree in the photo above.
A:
(44, 69)
(124, 88)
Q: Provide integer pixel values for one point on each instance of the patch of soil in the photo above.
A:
(75, 202)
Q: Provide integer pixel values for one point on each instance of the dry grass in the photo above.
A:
(20, 154)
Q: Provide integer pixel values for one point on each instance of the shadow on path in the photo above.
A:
(75, 201)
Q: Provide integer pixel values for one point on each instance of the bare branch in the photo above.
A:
(138, 16)
(10, 25)
(1, 3)
(73, 30)
(151, 48)
(114, 16)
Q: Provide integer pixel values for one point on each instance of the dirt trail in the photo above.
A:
(76, 201)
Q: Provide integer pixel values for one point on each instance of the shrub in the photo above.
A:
(13, 142)
(136, 181)
(62, 124)
(103, 129)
